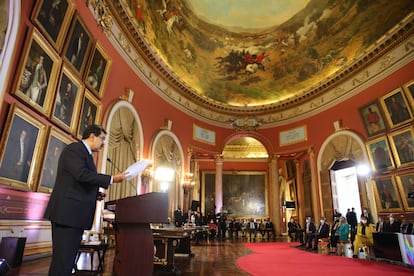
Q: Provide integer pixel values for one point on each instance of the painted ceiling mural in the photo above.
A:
(252, 53)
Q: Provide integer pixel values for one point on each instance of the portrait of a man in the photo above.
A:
(19, 150)
(51, 16)
(65, 100)
(53, 152)
(78, 46)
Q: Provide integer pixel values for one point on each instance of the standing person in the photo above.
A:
(71, 207)
(178, 217)
(352, 220)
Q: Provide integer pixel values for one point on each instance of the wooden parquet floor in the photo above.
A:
(210, 258)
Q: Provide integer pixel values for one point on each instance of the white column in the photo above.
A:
(219, 183)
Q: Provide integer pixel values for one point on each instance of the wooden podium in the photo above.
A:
(134, 238)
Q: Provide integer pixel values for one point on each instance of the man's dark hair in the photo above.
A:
(95, 129)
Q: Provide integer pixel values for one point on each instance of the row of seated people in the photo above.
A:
(242, 227)
(340, 233)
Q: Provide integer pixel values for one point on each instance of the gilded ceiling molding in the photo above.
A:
(390, 53)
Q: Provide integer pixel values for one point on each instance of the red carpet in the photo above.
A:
(280, 258)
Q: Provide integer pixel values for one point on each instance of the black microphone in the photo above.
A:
(112, 163)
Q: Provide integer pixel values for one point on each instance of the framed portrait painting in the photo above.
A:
(387, 195)
(22, 144)
(379, 153)
(372, 118)
(406, 186)
(77, 45)
(56, 142)
(98, 71)
(397, 111)
(90, 112)
(52, 18)
(68, 99)
(37, 74)
(409, 92)
(402, 143)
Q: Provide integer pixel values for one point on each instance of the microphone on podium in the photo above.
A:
(113, 164)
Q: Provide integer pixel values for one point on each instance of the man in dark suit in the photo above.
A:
(71, 207)
(392, 226)
(310, 229)
(323, 232)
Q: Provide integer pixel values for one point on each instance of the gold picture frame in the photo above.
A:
(77, 46)
(66, 106)
(56, 142)
(53, 18)
(380, 154)
(409, 92)
(396, 108)
(97, 71)
(244, 193)
(402, 144)
(37, 74)
(372, 118)
(406, 185)
(90, 112)
(387, 195)
(20, 149)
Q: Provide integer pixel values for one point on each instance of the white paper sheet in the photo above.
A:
(135, 169)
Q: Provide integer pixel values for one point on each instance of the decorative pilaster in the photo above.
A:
(219, 183)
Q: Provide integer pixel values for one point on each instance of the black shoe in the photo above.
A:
(315, 249)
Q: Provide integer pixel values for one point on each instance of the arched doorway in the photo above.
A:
(342, 148)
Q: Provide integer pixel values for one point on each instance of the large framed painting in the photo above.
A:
(379, 153)
(37, 74)
(56, 142)
(387, 195)
(21, 146)
(90, 113)
(52, 18)
(372, 118)
(244, 193)
(409, 92)
(68, 100)
(402, 144)
(395, 105)
(406, 186)
(98, 71)
(78, 45)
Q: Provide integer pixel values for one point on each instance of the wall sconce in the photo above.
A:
(188, 182)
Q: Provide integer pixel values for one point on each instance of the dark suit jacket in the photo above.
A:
(73, 199)
(323, 230)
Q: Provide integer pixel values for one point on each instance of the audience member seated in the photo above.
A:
(342, 234)
(213, 229)
(234, 228)
(323, 232)
(262, 228)
(293, 228)
(333, 240)
(392, 226)
(406, 226)
(310, 229)
(270, 228)
(379, 227)
(252, 229)
(363, 236)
